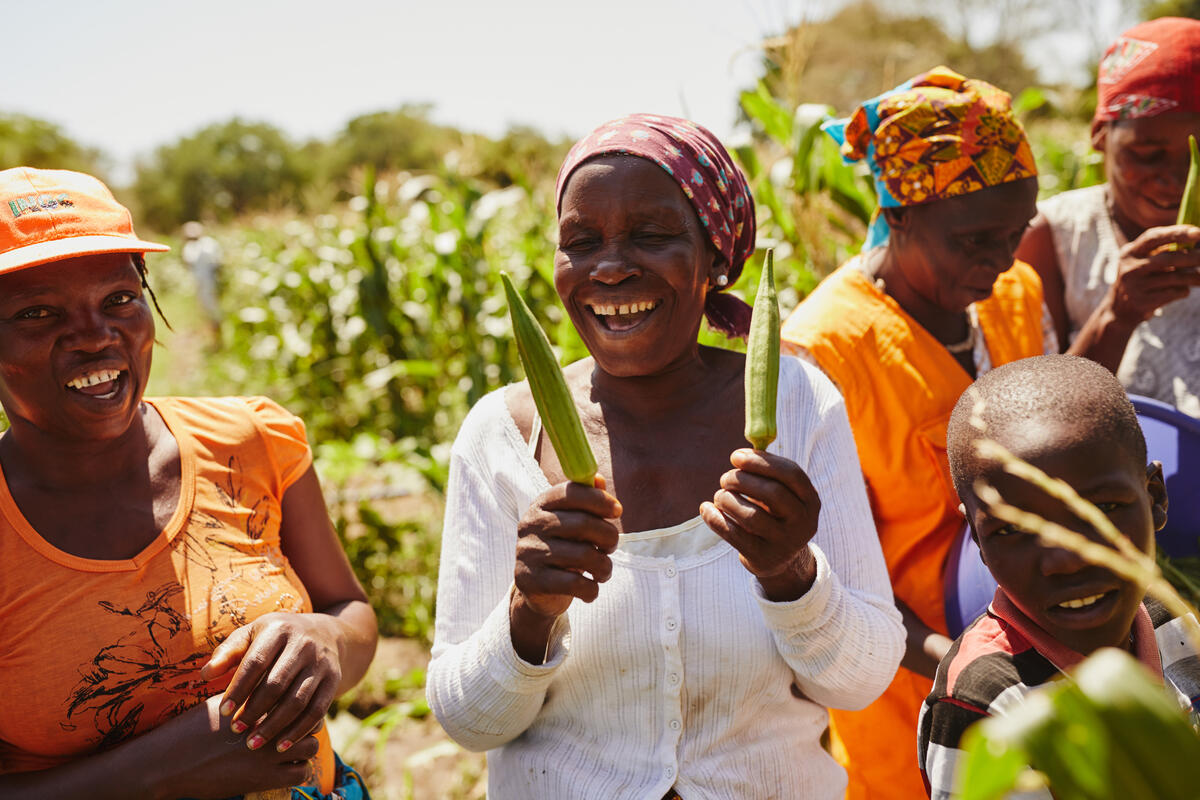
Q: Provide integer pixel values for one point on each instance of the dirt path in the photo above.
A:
(413, 760)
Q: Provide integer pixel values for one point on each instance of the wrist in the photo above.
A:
(793, 581)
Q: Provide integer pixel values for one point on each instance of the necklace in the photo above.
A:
(957, 347)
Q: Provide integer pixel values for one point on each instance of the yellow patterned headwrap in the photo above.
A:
(936, 136)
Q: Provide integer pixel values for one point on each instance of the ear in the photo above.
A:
(898, 218)
(962, 509)
(1156, 485)
(719, 268)
(1099, 134)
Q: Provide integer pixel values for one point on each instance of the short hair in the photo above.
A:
(1053, 388)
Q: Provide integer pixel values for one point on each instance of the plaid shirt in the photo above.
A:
(1004, 655)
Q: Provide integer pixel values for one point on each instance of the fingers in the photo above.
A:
(577, 497)
(557, 566)
(777, 482)
(1152, 239)
(226, 656)
(298, 684)
(255, 665)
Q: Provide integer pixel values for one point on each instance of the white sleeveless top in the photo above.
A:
(1162, 359)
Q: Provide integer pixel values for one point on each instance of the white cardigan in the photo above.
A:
(681, 673)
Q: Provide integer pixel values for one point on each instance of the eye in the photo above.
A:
(1148, 156)
(1108, 507)
(33, 312)
(121, 298)
(578, 243)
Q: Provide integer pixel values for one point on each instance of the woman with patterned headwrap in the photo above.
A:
(1118, 272)
(679, 629)
(934, 300)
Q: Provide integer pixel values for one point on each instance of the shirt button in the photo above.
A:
(672, 624)
(673, 678)
(676, 724)
(670, 572)
(670, 772)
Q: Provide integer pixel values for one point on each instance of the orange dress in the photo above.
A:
(900, 385)
(95, 652)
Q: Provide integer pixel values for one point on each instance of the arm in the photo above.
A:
(1148, 277)
(841, 636)
(291, 667)
(924, 647)
(149, 767)
(1037, 250)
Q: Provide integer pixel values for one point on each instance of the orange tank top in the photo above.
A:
(93, 652)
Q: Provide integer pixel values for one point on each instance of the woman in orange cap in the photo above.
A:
(1118, 272)
(934, 300)
(178, 614)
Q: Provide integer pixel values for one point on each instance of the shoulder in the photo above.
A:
(824, 312)
(237, 422)
(490, 425)
(1067, 208)
(991, 666)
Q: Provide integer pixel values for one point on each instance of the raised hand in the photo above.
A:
(1151, 274)
(767, 509)
(563, 546)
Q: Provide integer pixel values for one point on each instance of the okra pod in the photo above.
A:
(762, 360)
(550, 393)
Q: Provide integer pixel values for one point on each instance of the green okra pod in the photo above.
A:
(762, 360)
(550, 393)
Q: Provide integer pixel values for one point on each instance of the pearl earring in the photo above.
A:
(722, 280)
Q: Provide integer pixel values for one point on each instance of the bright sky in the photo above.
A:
(129, 75)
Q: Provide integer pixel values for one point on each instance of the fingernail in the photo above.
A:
(227, 708)
(237, 726)
(284, 745)
(255, 742)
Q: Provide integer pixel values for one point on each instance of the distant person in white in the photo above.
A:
(202, 255)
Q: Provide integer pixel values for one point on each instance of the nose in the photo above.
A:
(613, 266)
(90, 332)
(1060, 561)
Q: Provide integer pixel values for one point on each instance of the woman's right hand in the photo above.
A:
(212, 761)
(1149, 275)
(563, 546)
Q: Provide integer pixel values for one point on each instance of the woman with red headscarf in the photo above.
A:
(680, 629)
(1118, 272)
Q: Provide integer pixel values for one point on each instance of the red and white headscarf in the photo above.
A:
(709, 179)
(1153, 68)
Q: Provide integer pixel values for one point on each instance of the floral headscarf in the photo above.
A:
(709, 179)
(936, 136)
(1151, 69)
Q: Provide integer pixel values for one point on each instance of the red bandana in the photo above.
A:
(1151, 69)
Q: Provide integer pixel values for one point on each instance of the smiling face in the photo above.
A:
(950, 252)
(1147, 164)
(633, 265)
(1079, 604)
(75, 345)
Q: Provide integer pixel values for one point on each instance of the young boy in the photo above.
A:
(1069, 417)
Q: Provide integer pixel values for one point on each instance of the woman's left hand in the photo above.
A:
(288, 669)
(767, 509)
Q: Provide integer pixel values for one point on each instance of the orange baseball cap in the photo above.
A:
(52, 214)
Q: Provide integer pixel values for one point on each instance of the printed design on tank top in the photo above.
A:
(172, 634)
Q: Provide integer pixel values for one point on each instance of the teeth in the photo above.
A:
(627, 308)
(1081, 602)
(93, 378)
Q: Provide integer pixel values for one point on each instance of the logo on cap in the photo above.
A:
(38, 202)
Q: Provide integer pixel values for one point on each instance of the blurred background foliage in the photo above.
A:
(360, 273)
